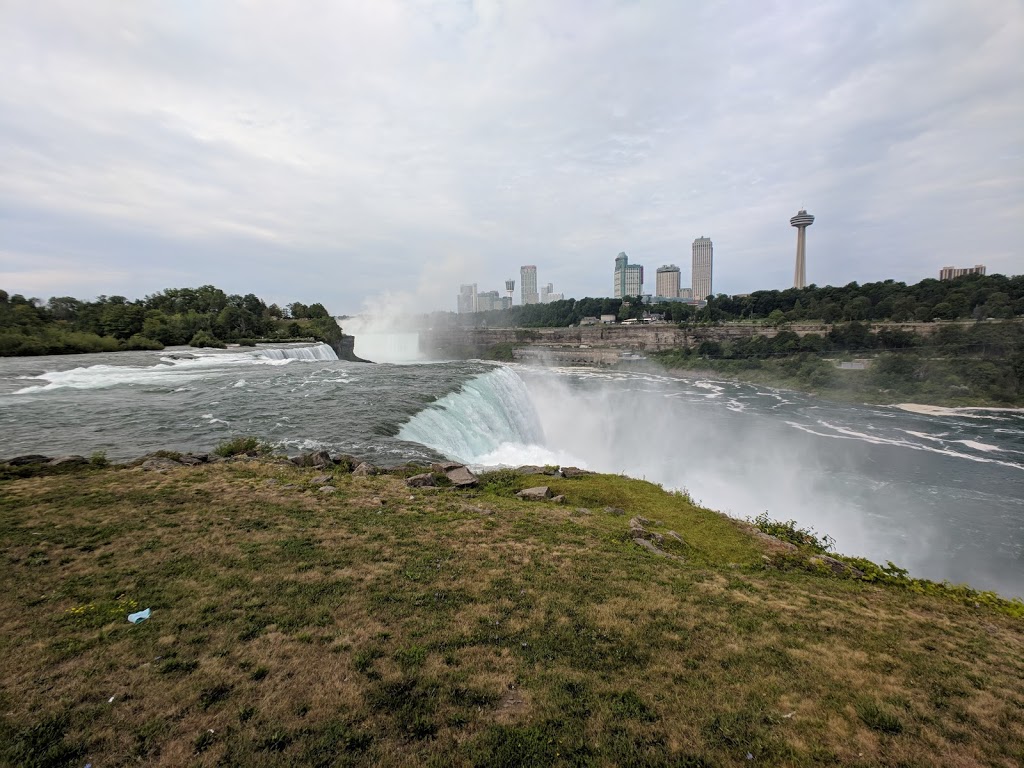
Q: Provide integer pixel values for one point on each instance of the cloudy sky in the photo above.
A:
(388, 150)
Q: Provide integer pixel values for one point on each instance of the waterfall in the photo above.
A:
(396, 347)
(315, 352)
(491, 421)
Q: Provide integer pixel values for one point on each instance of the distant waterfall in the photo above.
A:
(399, 347)
(488, 413)
(315, 352)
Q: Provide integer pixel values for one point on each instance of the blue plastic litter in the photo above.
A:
(135, 618)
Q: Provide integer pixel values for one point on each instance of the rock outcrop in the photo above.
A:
(540, 493)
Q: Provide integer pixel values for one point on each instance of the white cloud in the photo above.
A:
(373, 142)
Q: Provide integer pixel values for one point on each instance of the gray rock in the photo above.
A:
(160, 464)
(540, 493)
(31, 458)
(444, 467)
(321, 480)
(617, 511)
(582, 511)
(462, 477)
(774, 542)
(345, 462)
(67, 461)
(575, 472)
(364, 470)
(529, 469)
(654, 549)
(327, 489)
(559, 499)
(426, 480)
(190, 461)
(319, 459)
(637, 531)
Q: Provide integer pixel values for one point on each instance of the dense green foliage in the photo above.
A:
(972, 297)
(969, 364)
(204, 316)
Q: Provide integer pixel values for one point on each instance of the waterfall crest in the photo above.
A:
(490, 412)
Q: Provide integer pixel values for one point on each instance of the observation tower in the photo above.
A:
(801, 221)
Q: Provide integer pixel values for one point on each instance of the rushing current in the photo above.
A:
(941, 493)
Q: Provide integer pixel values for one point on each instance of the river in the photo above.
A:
(939, 493)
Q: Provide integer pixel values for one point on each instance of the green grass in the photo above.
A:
(466, 627)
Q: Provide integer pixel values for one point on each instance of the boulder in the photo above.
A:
(160, 464)
(426, 480)
(67, 461)
(321, 480)
(364, 470)
(654, 549)
(31, 458)
(559, 499)
(540, 493)
(617, 511)
(773, 542)
(530, 469)
(317, 459)
(462, 477)
(345, 462)
(444, 467)
(327, 489)
(190, 461)
(637, 531)
(575, 472)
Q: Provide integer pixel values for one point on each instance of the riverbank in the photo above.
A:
(310, 615)
(884, 380)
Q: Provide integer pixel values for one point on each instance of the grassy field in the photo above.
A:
(378, 624)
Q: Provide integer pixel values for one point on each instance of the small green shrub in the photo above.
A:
(99, 459)
(501, 482)
(206, 339)
(138, 341)
(241, 445)
(789, 531)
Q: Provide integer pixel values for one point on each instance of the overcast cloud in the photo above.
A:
(341, 151)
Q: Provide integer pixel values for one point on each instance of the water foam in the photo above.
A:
(172, 370)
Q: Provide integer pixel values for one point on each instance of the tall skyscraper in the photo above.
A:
(667, 285)
(801, 221)
(528, 284)
(702, 260)
(629, 278)
(467, 298)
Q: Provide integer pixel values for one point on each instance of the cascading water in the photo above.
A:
(174, 367)
(490, 421)
(316, 352)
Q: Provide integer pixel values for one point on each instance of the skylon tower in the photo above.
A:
(801, 221)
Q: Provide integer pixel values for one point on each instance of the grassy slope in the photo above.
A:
(435, 627)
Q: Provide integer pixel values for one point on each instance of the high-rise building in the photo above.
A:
(528, 284)
(467, 299)
(489, 300)
(667, 282)
(949, 273)
(629, 278)
(686, 293)
(702, 260)
(801, 221)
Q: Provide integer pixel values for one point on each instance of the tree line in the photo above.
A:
(204, 316)
(976, 297)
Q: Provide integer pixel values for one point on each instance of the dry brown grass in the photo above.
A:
(292, 627)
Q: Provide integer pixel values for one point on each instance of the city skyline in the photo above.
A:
(203, 144)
